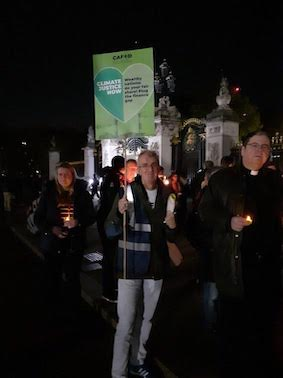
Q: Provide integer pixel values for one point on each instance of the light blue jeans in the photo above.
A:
(137, 301)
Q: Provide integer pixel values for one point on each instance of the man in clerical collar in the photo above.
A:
(242, 204)
(255, 151)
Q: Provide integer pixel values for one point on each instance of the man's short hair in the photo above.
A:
(118, 162)
(208, 164)
(246, 138)
(149, 153)
(131, 161)
(227, 161)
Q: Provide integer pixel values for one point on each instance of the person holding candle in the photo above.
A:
(64, 212)
(242, 205)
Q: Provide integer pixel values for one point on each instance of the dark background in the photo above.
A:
(46, 86)
(47, 51)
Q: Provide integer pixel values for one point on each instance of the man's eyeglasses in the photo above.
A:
(256, 146)
(147, 166)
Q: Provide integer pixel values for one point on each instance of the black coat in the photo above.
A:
(246, 263)
(47, 216)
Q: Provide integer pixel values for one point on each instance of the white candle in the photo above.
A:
(171, 202)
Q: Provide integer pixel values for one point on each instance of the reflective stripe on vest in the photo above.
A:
(135, 246)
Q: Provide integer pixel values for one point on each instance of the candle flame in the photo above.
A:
(249, 219)
(68, 216)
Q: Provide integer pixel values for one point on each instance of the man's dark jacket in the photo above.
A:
(247, 263)
(160, 232)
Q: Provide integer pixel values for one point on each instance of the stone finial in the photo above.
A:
(170, 79)
(90, 137)
(52, 143)
(164, 102)
(164, 68)
(224, 98)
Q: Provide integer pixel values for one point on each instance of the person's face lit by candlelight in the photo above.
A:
(256, 152)
(64, 177)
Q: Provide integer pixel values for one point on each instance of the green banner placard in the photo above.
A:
(123, 94)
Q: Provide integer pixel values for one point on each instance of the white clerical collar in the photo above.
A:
(254, 173)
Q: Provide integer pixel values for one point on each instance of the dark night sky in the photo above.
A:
(46, 62)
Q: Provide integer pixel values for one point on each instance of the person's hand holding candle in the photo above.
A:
(70, 222)
(238, 222)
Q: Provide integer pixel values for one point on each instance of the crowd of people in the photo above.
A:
(234, 224)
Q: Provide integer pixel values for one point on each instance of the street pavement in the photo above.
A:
(33, 346)
(178, 344)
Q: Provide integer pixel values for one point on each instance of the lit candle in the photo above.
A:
(67, 218)
(171, 202)
(166, 181)
(249, 219)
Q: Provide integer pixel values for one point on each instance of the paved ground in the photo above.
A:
(33, 347)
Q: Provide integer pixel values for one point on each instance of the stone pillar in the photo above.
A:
(167, 124)
(222, 127)
(89, 155)
(54, 158)
(221, 136)
(88, 162)
(109, 150)
(161, 144)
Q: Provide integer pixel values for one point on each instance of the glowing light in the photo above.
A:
(249, 219)
(67, 218)
(171, 202)
(235, 89)
(130, 196)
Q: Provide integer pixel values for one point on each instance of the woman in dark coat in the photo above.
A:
(64, 212)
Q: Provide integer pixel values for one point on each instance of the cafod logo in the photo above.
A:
(124, 94)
